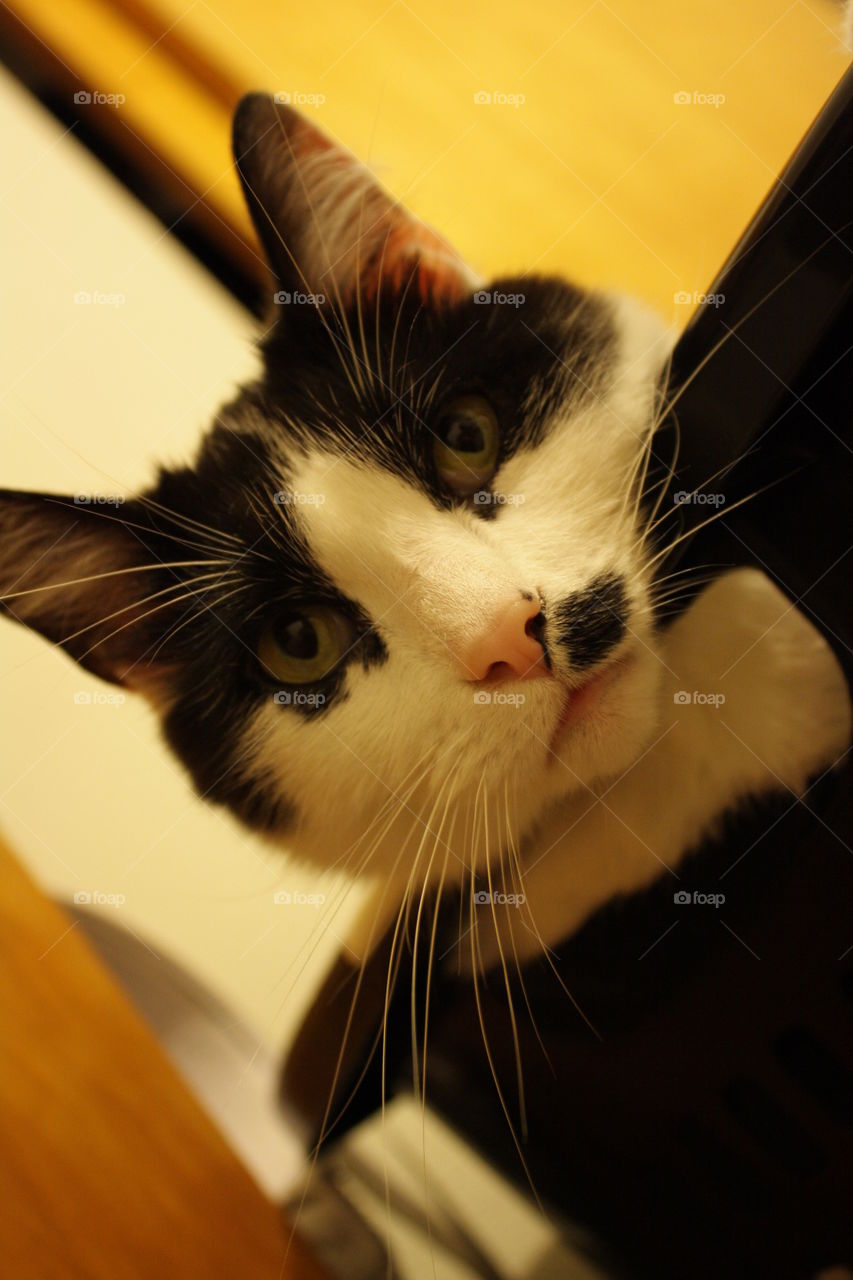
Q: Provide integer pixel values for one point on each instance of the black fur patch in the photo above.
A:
(592, 622)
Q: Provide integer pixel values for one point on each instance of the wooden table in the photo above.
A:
(109, 1170)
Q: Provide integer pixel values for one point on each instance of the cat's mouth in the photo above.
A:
(583, 700)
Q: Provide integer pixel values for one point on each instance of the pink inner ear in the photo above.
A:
(354, 236)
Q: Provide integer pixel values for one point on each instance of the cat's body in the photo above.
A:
(401, 614)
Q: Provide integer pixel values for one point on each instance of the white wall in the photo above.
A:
(90, 398)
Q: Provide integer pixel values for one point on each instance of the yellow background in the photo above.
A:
(599, 173)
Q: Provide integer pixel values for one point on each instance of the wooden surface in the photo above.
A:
(109, 1169)
(600, 173)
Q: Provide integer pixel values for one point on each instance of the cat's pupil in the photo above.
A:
(296, 637)
(464, 435)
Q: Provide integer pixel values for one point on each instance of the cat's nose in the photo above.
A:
(506, 647)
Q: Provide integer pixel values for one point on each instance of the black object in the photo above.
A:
(709, 1133)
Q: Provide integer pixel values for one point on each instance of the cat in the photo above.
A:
(401, 614)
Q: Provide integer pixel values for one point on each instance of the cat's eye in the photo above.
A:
(466, 445)
(302, 644)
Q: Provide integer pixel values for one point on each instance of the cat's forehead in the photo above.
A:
(563, 369)
(372, 384)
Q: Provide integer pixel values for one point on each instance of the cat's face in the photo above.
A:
(401, 602)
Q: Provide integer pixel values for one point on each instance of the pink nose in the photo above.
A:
(504, 649)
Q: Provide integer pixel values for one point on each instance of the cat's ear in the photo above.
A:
(328, 228)
(75, 571)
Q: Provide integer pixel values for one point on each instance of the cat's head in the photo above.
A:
(401, 600)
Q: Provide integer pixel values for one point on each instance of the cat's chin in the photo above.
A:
(605, 724)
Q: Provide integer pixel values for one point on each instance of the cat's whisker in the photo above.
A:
(522, 1108)
(112, 573)
(192, 615)
(676, 508)
(94, 512)
(181, 519)
(427, 996)
(392, 372)
(358, 297)
(167, 604)
(474, 938)
(428, 765)
(324, 1124)
(668, 406)
(717, 515)
(303, 278)
(341, 310)
(734, 329)
(546, 950)
(396, 940)
(518, 887)
(377, 309)
(180, 585)
(447, 783)
(390, 809)
(652, 521)
(406, 392)
(681, 590)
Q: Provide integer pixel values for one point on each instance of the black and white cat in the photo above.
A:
(401, 613)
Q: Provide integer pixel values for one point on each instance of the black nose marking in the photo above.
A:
(592, 622)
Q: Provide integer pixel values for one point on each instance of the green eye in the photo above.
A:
(300, 645)
(466, 448)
